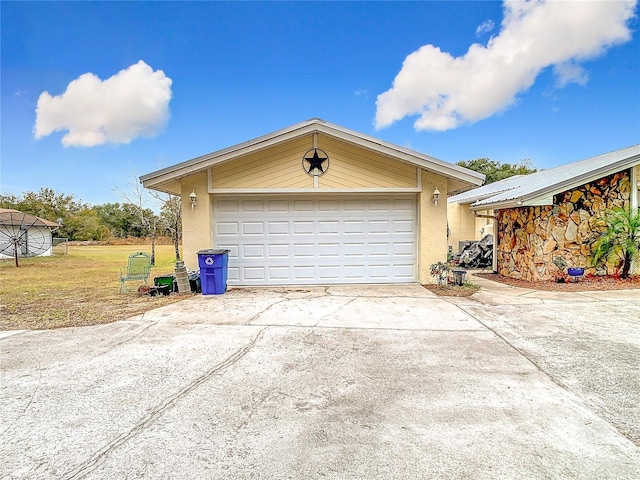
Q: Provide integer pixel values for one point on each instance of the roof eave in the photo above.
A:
(206, 161)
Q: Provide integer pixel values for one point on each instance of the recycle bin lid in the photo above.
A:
(213, 251)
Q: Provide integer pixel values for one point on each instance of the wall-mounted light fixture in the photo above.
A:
(436, 197)
(193, 198)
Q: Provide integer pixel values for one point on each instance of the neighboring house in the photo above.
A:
(30, 234)
(552, 213)
(316, 203)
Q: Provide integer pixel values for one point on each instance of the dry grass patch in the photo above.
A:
(78, 289)
(465, 290)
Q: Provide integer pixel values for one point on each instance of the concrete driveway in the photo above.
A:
(357, 382)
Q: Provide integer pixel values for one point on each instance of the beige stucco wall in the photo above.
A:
(462, 224)
(432, 225)
(465, 225)
(197, 227)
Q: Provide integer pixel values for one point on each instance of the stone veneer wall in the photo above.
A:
(529, 238)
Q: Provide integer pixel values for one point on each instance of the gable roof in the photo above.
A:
(11, 217)
(538, 188)
(158, 179)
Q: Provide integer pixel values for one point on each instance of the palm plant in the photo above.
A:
(619, 242)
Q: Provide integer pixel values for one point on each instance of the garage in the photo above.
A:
(316, 204)
(320, 240)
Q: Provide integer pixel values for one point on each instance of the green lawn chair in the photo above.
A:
(138, 268)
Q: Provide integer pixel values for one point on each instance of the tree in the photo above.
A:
(619, 241)
(495, 171)
(122, 220)
(86, 225)
(48, 204)
(137, 198)
(171, 218)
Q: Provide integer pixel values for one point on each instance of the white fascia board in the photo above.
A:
(539, 202)
(313, 191)
(496, 205)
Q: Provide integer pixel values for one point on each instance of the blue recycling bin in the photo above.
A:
(213, 265)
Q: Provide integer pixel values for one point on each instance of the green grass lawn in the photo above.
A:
(81, 288)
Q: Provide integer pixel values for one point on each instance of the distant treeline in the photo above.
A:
(81, 221)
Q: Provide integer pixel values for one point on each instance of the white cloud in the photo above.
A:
(485, 27)
(446, 91)
(570, 73)
(132, 103)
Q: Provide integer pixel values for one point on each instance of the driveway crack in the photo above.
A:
(324, 317)
(257, 315)
(149, 419)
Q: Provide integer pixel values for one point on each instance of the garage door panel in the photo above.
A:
(252, 228)
(316, 241)
(353, 227)
(329, 250)
(379, 271)
(404, 205)
(354, 205)
(379, 249)
(328, 227)
(380, 204)
(227, 206)
(403, 249)
(303, 228)
(278, 228)
(253, 251)
(255, 206)
(328, 205)
(355, 272)
(253, 273)
(279, 274)
(228, 228)
(233, 275)
(355, 250)
(279, 251)
(329, 273)
(304, 272)
(402, 226)
(303, 250)
(277, 206)
(377, 227)
(303, 205)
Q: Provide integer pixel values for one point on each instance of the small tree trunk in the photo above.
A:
(626, 265)
(176, 246)
(153, 250)
(15, 252)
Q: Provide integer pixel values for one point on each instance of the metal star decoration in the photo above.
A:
(316, 162)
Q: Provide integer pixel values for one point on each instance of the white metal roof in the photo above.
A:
(172, 173)
(486, 191)
(538, 188)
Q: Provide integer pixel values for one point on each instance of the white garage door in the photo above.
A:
(286, 241)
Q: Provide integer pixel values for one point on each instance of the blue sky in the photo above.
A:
(93, 92)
